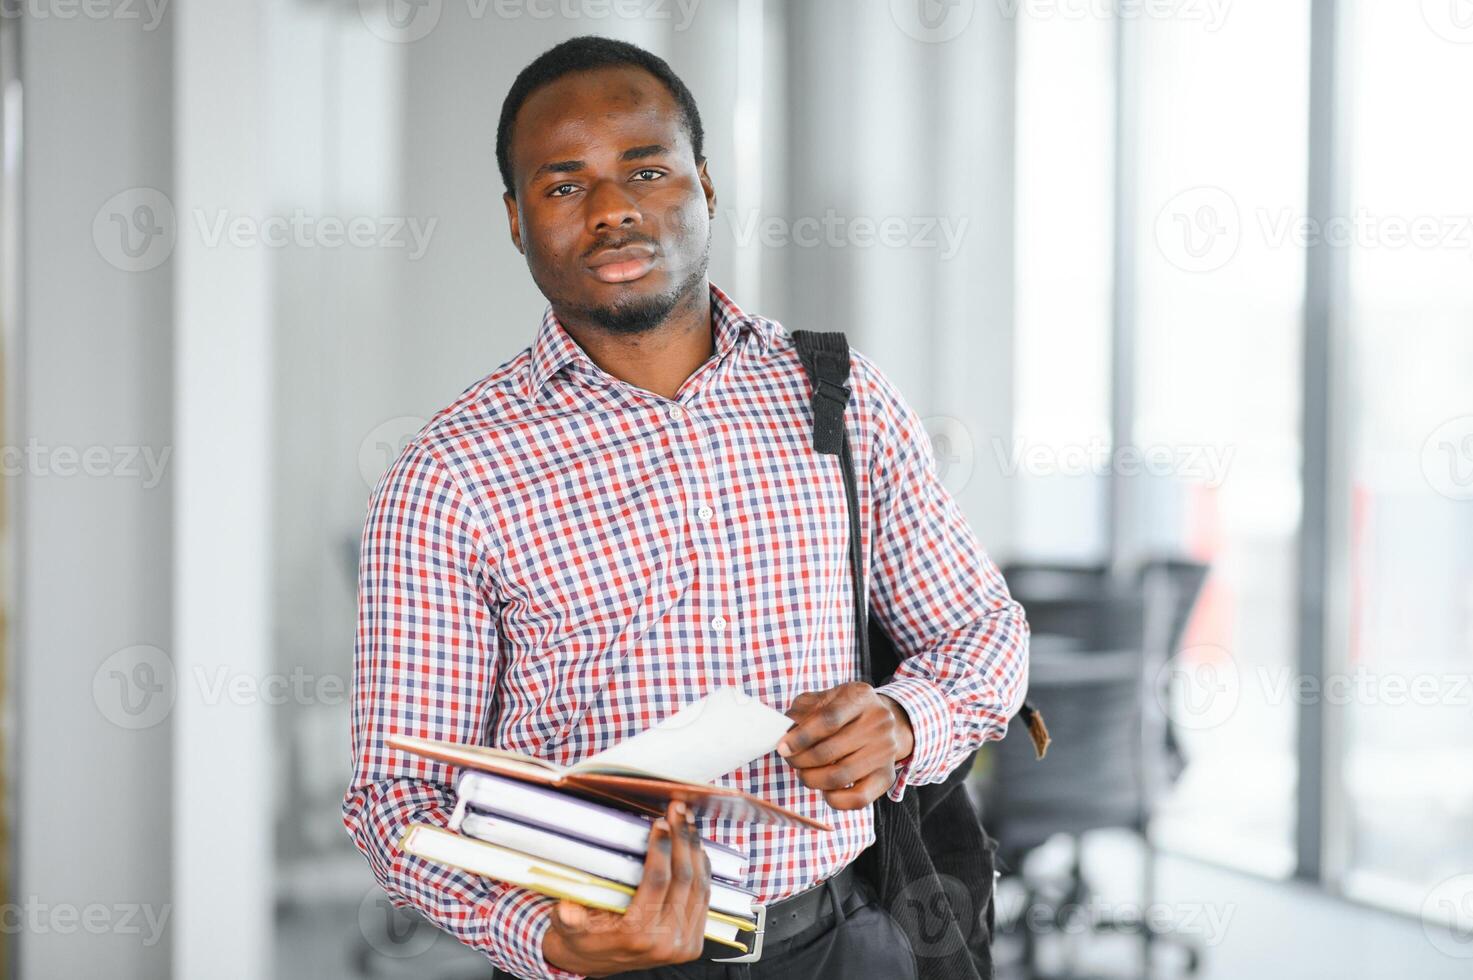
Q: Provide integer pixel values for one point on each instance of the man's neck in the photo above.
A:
(658, 360)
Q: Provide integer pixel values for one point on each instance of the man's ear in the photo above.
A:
(709, 188)
(513, 219)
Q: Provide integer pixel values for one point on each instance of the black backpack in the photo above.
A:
(932, 863)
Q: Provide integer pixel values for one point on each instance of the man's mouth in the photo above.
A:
(622, 264)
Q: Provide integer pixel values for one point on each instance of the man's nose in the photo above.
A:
(610, 207)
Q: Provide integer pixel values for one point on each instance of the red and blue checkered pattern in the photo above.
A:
(560, 559)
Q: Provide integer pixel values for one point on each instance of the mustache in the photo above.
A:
(610, 244)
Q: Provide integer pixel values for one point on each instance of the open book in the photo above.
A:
(674, 760)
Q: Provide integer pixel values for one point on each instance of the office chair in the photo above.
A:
(1099, 640)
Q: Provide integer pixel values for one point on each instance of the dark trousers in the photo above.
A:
(860, 942)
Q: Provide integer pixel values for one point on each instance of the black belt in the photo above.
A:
(797, 913)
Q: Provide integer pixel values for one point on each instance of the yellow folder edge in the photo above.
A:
(564, 873)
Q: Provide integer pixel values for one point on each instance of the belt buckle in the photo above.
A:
(756, 953)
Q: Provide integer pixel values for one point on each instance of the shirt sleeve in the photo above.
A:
(962, 637)
(425, 662)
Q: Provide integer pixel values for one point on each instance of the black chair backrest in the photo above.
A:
(1088, 677)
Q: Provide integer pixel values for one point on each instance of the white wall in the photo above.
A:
(224, 300)
(92, 798)
(929, 137)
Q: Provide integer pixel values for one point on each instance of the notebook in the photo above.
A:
(547, 877)
(674, 760)
(539, 842)
(594, 823)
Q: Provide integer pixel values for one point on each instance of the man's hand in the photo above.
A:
(846, 742)
(666, 919)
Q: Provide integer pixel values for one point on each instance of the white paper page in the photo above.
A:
(705, 739)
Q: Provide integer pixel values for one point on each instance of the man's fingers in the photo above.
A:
(820, 719)
(656, 878)
(866, 730)
(803, 703)
(865, 758)
(571, 916)
(862, 793)
(687, 904)
(700, 896)
(666, 919)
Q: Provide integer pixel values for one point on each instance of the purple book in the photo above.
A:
(595, 823)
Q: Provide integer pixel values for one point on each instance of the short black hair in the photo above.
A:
(587, 53)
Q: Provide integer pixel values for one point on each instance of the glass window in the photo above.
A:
(1403, 764)
(1221, 146)
(1064, 229)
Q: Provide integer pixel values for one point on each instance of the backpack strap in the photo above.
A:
(825, 358)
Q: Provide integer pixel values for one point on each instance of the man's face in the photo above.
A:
(611, 210)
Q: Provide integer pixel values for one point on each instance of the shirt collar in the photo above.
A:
(554, 348)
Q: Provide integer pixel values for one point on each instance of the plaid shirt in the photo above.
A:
(560, 559)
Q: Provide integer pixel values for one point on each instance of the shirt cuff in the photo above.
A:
(519, 920)
(930, 725)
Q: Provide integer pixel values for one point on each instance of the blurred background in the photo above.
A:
(1184, 289)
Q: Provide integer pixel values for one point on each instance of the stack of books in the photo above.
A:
(581, 832)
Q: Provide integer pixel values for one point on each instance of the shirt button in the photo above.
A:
(677, 413)
(705, 513)
(718, 624)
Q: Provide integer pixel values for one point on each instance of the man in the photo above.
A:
(629, 514)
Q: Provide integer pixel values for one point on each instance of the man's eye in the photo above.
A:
(556, 191)
(657, 174)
